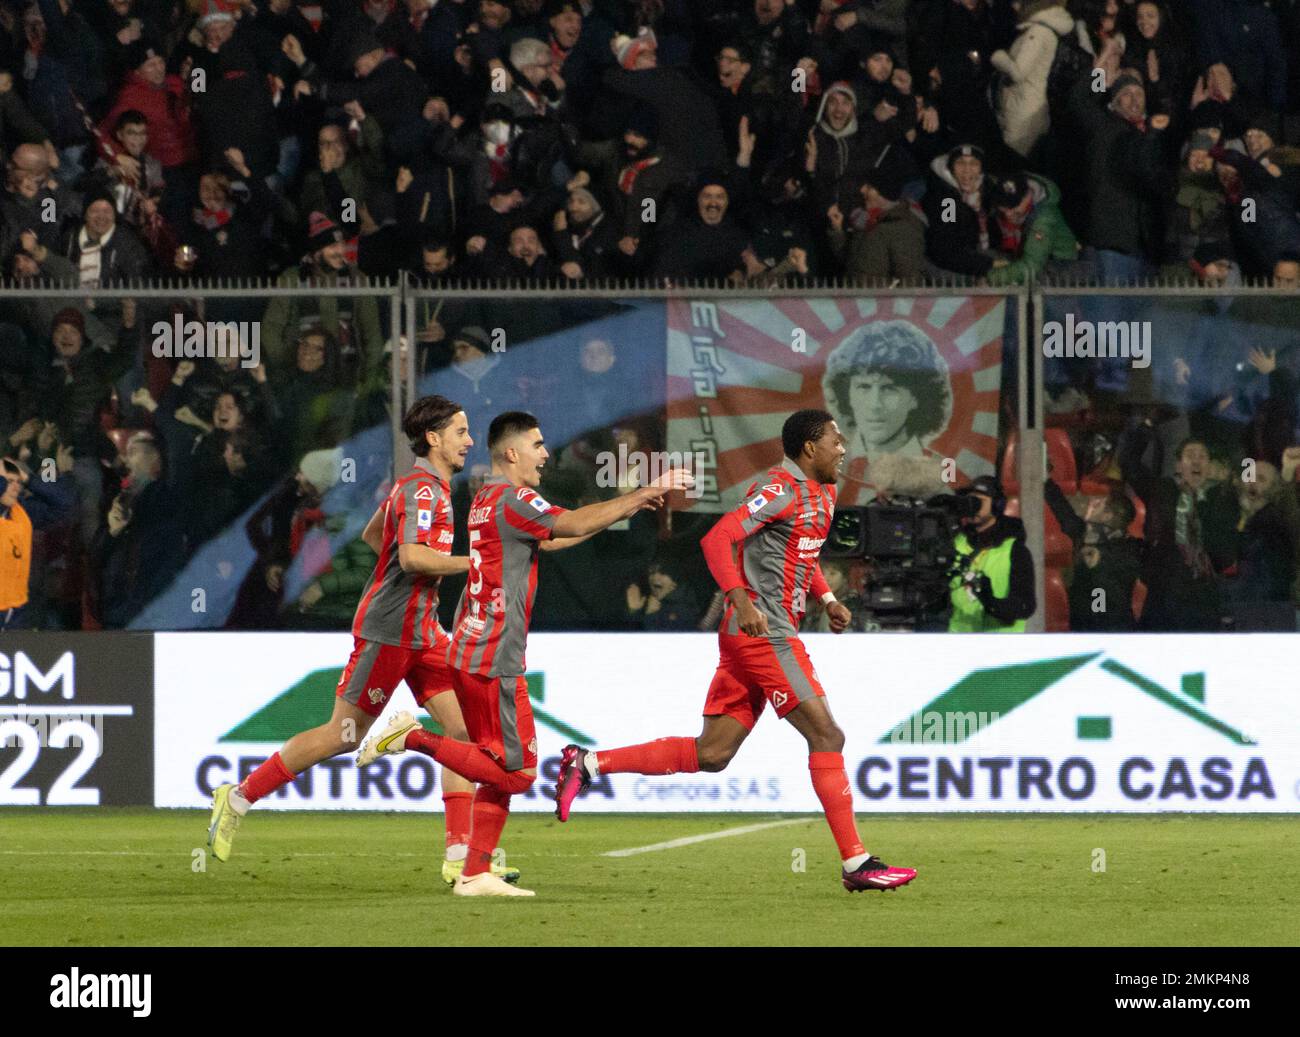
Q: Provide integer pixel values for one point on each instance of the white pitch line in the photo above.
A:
(691, 840)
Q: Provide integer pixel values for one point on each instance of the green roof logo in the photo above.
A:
(998, 690)
(310, 701)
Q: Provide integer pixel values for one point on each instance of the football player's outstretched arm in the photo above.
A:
(583, 522)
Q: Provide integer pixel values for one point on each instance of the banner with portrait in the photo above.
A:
(915, 384)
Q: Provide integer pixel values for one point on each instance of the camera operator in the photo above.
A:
(994, 591)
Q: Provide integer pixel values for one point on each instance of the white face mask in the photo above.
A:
(497, 132)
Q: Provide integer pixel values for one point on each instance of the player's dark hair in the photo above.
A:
(510, 423)
(801, 427)
(428, 414)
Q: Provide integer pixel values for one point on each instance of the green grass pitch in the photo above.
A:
(119, 876)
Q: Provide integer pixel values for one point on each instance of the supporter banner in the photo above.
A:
(934, 723)
(76, 720)
(916, 378)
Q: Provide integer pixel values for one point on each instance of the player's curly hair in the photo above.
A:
(803, 426)
(427, 414)
(904, 354)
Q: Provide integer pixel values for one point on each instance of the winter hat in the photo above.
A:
(1122, 82)
(644, 122)
(215, 11)
(589, 198)
(850, 127)
(965, 151)
(365, 42)
(101, 195)
(872, 43)
(710, 178)
(496, 112)
(322, 231)
(887, 179)
(1201, 141)
(1266, 121)
(506, 185)
(475, 336)
(70, 315)
(1006, 192)
(629, 48)
(322, 468)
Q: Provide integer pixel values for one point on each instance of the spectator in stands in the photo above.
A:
(1107, 561)
(1245, 35)
(354, 322)
(883, 239)
(140, 548)
(1189, 534)
(1260, 594)
(1196, 209)
(958, 238)
(25, 505)
(222, 239)
(104, 252)
(659, 603)
(1125, 172)
(347, 173)
(708, 244)
(1030, 232)
(586, 240)
(30, 194)
(1023, 112)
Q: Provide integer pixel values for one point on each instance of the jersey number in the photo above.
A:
(475, 563)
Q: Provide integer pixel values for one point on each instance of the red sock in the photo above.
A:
(831, 783)
(469, 761)
(266, 779)
(491, 808)
(457, 811)
(662, 756)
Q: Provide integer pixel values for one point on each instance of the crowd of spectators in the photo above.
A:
(320, 143)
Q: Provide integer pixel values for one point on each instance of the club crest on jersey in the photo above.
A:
(375, 695)
(424, 493)
(424, 518)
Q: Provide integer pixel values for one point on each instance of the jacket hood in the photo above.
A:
(851, 126)
(939, 167)
(1056, 18)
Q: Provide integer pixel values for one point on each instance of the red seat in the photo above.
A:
(1058, 550)
(1059, 453)
(1056, 605)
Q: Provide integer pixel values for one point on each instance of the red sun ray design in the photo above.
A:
(736, 370)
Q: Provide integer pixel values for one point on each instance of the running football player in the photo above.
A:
(777, 533)
(397, 636)
(509, 523)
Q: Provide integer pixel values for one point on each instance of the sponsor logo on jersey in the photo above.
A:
(446, 537)
(775, 489)
(424, 518)
(778, 698)
(810, 543)
(424, 493)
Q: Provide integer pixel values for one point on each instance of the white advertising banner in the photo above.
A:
(1065, 722)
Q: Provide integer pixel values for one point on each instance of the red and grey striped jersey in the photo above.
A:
(401, 608)
(506, 526)
(786, 518)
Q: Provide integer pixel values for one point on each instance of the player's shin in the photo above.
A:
(269, 777)
(456, 814)
(469, 761)
(490, 811)
(831, 783)
(662, 756)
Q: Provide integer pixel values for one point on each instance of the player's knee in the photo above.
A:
(714, 757)
(519, 781)
(827, 738)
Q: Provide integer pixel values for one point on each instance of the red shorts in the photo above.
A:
(753, 670)
(498, 717)
(374, 670)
